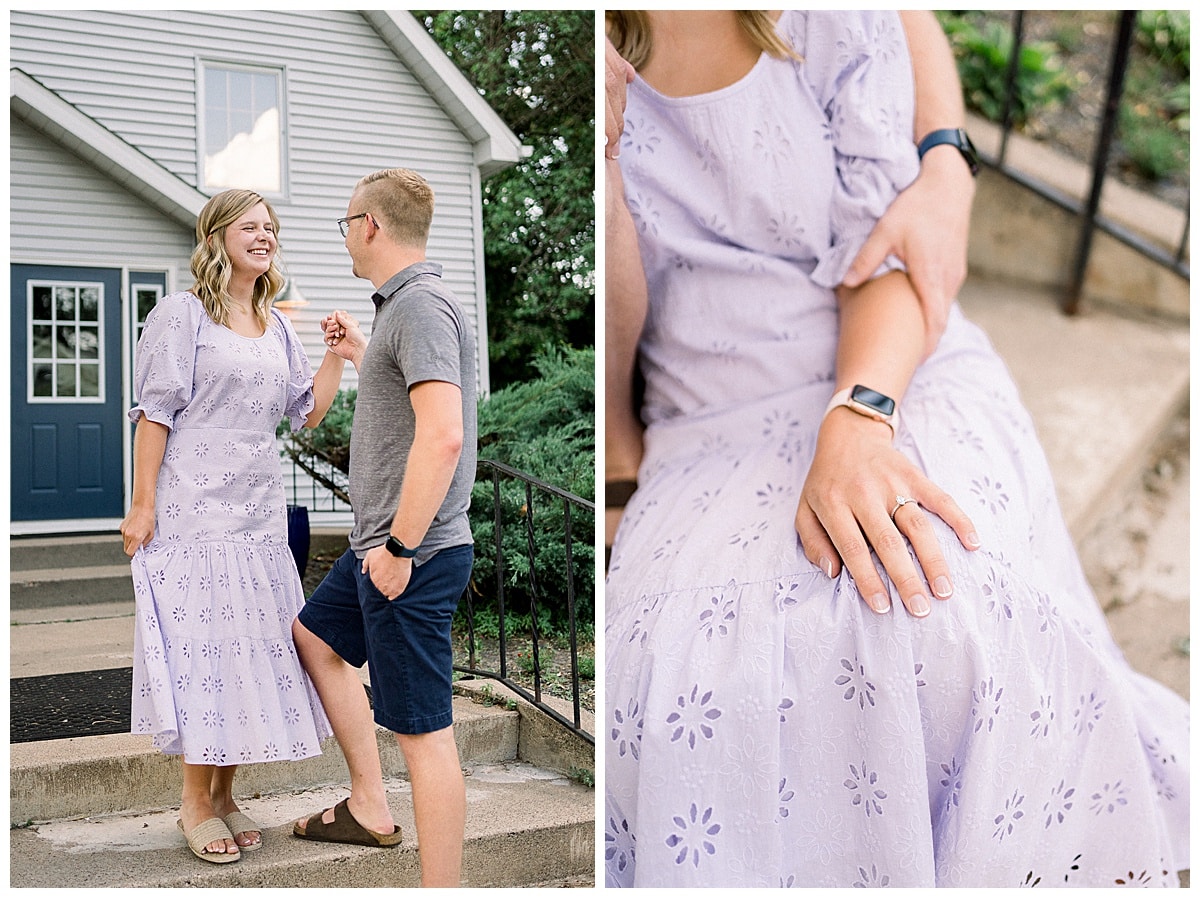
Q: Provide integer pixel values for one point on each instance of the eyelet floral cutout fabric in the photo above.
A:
(764, 727)
(216, 677)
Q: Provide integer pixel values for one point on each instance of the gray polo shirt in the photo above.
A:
(420, 333)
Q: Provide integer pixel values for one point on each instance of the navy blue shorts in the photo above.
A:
(406, 640)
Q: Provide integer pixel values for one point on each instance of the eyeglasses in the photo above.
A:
(343, 222)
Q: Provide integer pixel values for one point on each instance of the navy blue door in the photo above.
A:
(66, 393)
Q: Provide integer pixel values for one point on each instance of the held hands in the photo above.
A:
(389, 573)
(617, 74)
(343, 336)
(137, 529)
(852, 486)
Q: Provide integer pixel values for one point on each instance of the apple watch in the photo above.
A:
(867, 402)
(956, 137)
(398, 548)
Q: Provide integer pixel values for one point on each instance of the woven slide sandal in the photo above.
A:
(205, 832)
(240, 823)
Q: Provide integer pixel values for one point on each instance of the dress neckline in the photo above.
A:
(720, 93)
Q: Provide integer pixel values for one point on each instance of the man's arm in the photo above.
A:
(928, 224)
(432, 460)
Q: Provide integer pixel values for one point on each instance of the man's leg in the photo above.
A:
(349, 714)
(439, 803)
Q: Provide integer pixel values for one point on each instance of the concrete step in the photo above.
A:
(1101, 386)
(66, 778)
(525, 826)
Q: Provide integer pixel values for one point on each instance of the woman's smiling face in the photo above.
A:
(250, 241)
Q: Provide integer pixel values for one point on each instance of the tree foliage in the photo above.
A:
(535, 68)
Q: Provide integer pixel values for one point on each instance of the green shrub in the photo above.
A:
(1166, 35)
(544, 428)
(983, 49)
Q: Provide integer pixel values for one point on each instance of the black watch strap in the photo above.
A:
(955, 137)
(398, 548)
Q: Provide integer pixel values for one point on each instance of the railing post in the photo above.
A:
(533, 591)
(571, 613)
(1010, 87)
(1108, 126)
(499, 573)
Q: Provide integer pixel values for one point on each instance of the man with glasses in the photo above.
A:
(390, 599)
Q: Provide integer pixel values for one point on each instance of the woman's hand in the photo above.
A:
(844, 510)
(617, 74)
(137, 529)
(343, 336)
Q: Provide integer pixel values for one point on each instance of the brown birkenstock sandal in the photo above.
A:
(206, 831)
(345, 829)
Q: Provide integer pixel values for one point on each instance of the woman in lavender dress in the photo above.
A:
(910, 693)
(216, 678)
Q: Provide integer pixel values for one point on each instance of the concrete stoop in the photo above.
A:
(101, 811)
(524, 826)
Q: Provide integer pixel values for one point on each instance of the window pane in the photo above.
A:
(89, 343)
(42, 341)
(66, 380)
(42, 308)
(89, 304)
(265, 93)
(64, 300)
(64, 346)
(43, 380)
(89, 380)
(145, 302)
(245, 149)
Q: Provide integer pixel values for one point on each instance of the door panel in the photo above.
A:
(66, 438)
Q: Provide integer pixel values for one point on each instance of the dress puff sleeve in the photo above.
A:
(166, 359)
(299, 401)
(859, 67)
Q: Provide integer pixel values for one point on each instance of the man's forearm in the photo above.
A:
(939, 102)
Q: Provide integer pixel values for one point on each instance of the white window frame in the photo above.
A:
(279, 72)
(101, 350)
(137, 325)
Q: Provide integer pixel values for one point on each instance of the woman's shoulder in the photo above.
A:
(179, 306)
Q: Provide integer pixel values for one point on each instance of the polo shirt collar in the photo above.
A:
(399, 281)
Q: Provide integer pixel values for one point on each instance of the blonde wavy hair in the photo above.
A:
(629, 30)
(401, 200)
(211, 266)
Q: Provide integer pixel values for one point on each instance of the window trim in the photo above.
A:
(101, 354)
(203, 63)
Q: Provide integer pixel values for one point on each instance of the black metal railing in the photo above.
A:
(1088, 211)
(523, 528)
(329, 486)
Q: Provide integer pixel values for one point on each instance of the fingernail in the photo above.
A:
(942, 588)
(827, 566)
(879, 602)
(919, 605)
(973, 540)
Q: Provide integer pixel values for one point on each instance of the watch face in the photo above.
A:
(873, 400)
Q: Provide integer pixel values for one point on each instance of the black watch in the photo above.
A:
(398, 548)
(956, 137)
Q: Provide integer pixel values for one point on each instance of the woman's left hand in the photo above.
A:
(343, 336)
(844, 513)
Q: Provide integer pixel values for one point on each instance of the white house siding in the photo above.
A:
(66, 212)
(351, 107)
